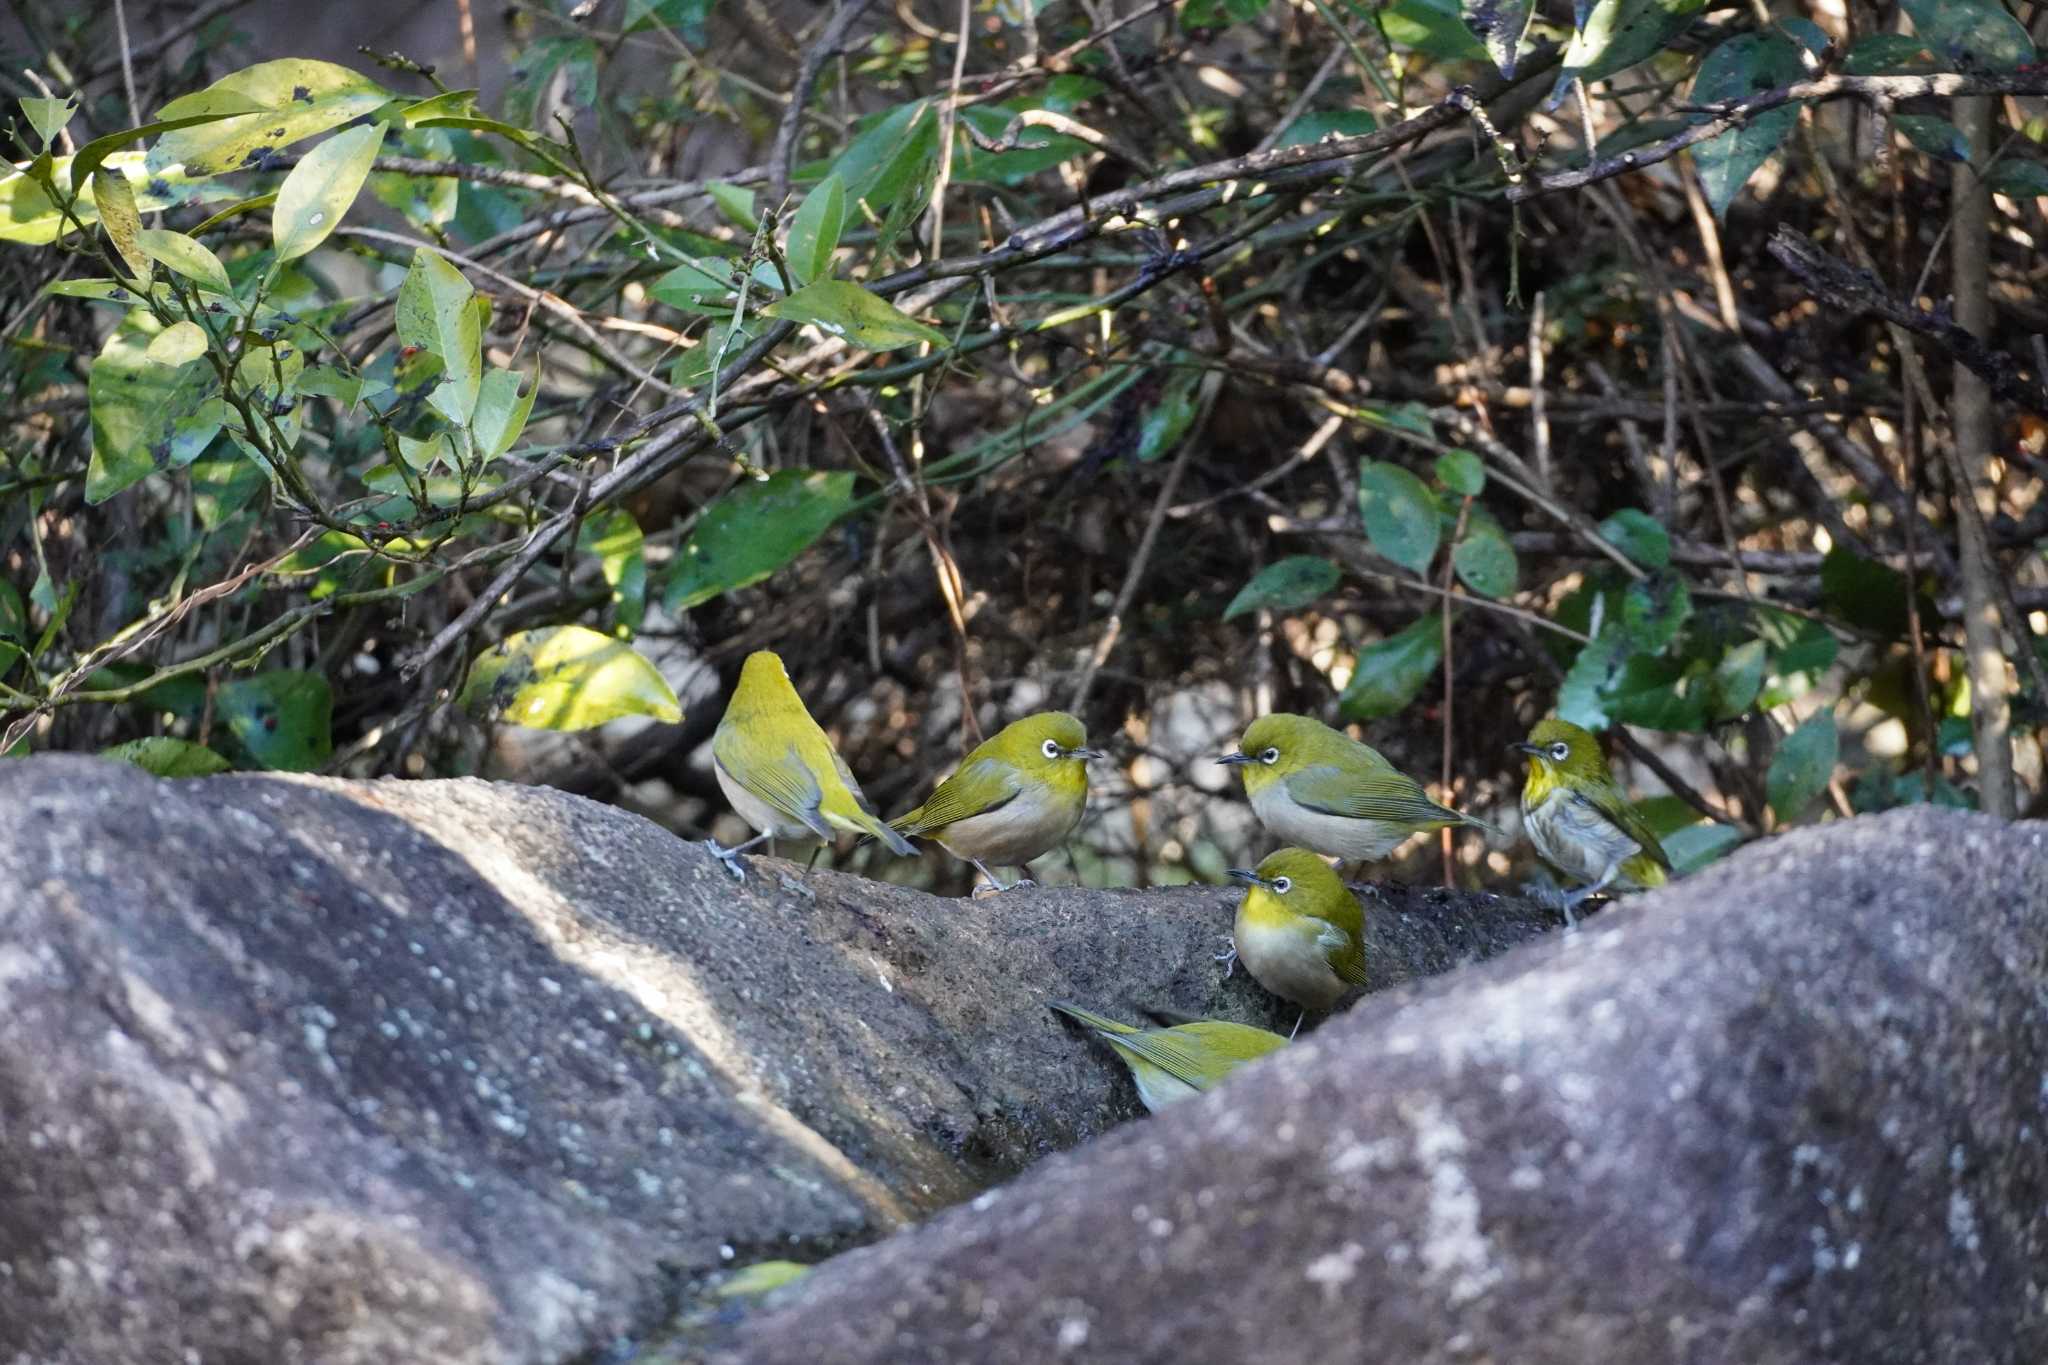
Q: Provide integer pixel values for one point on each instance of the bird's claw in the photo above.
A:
(729, 858)
(1228, 957)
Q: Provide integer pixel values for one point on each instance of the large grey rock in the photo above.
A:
(297, 1070)
(1791, 1110)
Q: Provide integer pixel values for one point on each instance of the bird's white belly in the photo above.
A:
(757, 812)
(1016, 833)
(1288, 960)
(1575, 838)
(1334, 836)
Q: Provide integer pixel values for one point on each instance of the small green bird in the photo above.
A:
(1580, 819)
(1299, 931)
(1323, 790)
(1171, 1064)
(781, 773)
(1017, 794)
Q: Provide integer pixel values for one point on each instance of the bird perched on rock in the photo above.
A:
(1299, 931)
(1321, 789)
(1580, 819)
(1016, 795)
(779, 770)
(1173, 1063)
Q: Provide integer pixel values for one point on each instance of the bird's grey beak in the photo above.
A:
(1233, 760)
(1521, 748)
(1245, 874)
(1084, 753)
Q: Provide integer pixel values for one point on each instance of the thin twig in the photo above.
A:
(783, 152)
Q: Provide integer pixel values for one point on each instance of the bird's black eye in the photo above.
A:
(1283, 884)
(1560, 751)
(1270, 756)
(1051, 748)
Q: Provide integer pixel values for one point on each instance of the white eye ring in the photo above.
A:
(1560, 751)
(1283, 885)
(1051, 748)
(1270, 756)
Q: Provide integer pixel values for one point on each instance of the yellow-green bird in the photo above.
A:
(1171, 1064)
(1299, 931)
(1323, 790)
(779, 770)
(1580, 819)
(1016, 794)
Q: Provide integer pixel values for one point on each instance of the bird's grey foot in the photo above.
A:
(1228, 957)
(729, 856)
(1297, 1025)
(1551, 898)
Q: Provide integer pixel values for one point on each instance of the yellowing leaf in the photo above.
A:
(178, 343)
(319, 190)
(566, 678)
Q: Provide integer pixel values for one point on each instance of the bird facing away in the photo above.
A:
(1299, 931)
(1580, 819)
(1173, 1063)
(1320, 789)
(779, 770)
(1017, 794)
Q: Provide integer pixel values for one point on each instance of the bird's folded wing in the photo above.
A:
(978, 788)
(1172, 1054)
(782, 782)
(1379, 795)
(1614, 807)
(1341, 951)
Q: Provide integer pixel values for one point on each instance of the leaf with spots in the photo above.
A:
(1499, 25)
(566, 678)
(283, 719)
(320, 189)
(292, 99)
(1745, 65)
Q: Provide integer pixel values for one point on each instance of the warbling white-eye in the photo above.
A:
(1321, 789)
(1173, 1063)
(1017, 794)
(780, 771)
(1299, 931)
(1580, 819)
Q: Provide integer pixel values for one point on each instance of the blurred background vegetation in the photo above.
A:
(439, 390)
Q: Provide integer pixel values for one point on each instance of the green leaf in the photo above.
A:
(501, 412)
(1433, 27)
(435, 314)
(755, 529)
(47, 116)
(1802, 651)
(1401, 515)
(693, 367)
(1483, 558)
(877, 165)
(1737, 69)
(1638, 535)
(293, 98)
(846, 310)
(1461, 472)
(115, 198)
(1616, 34)
(1388, 675)
(699, 286)
(1282, 586)
(319, 190)
(1654, 693)
(1802, 766)
(187, 257)
(1167, 420)
(1736, 680)
(221, 488)
(1864, 592)
(1500, 25)
(177, 343)
(136, 404)
(736, 202)
(615, 538)
(1037, 150)
(1217, 13)
(1889, 54)
(1313, 127)
(1582, 697)
(2018, 179)
(283, 719)
(921, 178)
(566, 678)
(1937, 137)
(760, 1277)
(167, 757)
(814, 231)
(1653, 610)
(1971, 35)
(1693, 847)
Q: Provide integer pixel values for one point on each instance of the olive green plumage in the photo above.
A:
(780, 771)
(1581, 820)
(1016, 795)
(1171, 1064)
(1299, 930)
(1321, 789)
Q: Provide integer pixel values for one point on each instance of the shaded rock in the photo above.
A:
(1790, 1110)
(457, 1072)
